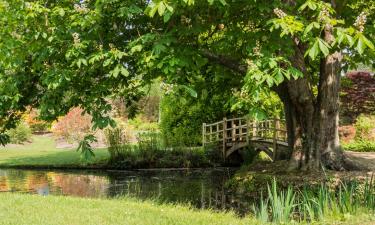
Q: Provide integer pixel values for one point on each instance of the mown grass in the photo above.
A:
(54, 210)
(42, 152)
(31, 209)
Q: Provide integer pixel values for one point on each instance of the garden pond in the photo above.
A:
(200, 188)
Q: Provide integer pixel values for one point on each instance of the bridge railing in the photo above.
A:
(244, 130)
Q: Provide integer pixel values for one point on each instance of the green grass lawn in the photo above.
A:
(42, 152)
(31, 209)
(51, 210)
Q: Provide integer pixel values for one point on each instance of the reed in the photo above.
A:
(282, 206)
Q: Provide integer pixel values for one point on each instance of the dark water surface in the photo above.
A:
(202, 188)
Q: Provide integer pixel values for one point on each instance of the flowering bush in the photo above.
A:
(73, 127)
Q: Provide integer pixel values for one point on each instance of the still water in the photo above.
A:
(201, 188)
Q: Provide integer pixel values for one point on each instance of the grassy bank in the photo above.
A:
(31, 209)
(28, 209)
(42, 153)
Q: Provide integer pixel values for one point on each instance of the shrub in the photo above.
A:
(117, 141)
(360, 146)
(365, 128)
(141, 124)
(36, 125)
(73, 127)
(150, 152)
(20, 134)
(357, 95)
(182, 118)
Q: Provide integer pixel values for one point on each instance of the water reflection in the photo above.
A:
(200, 188)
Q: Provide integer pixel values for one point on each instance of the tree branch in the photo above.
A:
(225, 61)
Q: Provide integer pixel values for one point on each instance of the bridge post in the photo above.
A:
(275, 131)
(233, 127)
(204, 134)
(247, 131)
(255, 124)
(224, 137)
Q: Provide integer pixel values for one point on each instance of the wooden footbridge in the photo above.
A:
(234, 134)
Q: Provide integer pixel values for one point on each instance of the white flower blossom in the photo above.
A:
(76, 38)
(81, 8)
(324, 14)
(361, 21)
(279, 13)
(257, 48)
(167, 88)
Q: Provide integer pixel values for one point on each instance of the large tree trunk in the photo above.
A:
(313, 122)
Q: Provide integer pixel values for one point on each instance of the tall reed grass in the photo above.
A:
(310, 205)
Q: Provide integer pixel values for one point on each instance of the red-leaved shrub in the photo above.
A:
(72, 127)
(357, 96)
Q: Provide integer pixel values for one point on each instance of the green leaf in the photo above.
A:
(361, 46)
(152, 9)
(272, 63)
(269, 81)
(161, 8)
(190, 90)
(310, 27)
(61, 12)
(107, 62)
(167, 16)
(189, 2)
(323, 46)
(81, 61)
(116, 71)
(4, 139)
(314, 50)
(85, 147)
(350, 40)
(368, 42)
(312, 5)
(136, 48)
(223, 2)
(279, 77)
(295, 72)
(124, 71)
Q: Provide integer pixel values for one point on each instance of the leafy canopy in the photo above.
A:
(55, 55)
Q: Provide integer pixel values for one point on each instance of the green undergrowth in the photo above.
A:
(151, 151)
(360, 146)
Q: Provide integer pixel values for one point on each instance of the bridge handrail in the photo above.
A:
(243, 128)
(240, 130)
